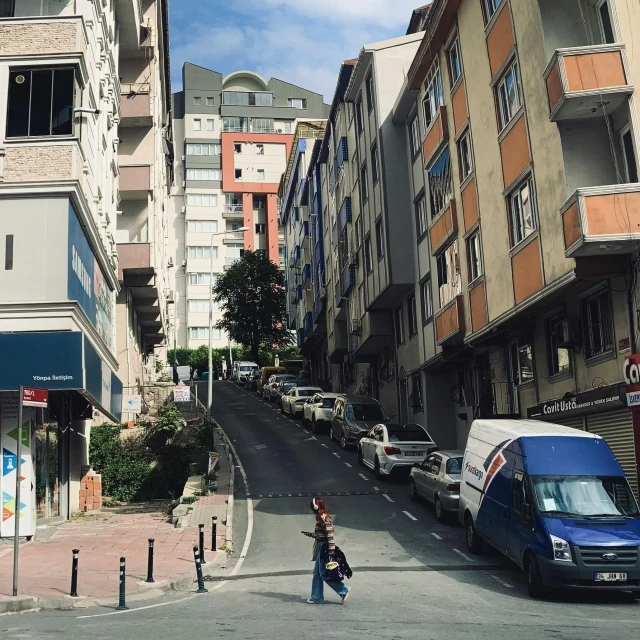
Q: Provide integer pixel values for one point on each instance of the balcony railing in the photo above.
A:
(342, 154)
(344, 214)
(306, 274)
(450, 321)
(232, 208)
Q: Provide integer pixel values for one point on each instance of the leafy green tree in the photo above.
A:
(253, 303)
(181, 355)
(200, 359)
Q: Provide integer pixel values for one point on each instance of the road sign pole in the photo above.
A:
(16, 534)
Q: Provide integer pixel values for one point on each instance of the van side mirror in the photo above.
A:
(526, 513)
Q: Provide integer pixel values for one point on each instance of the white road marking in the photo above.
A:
(406, 513)
(313, 438)
(363, 477)
(219, 586)
(326, 446)
(376, 488)
(463, 555)
(261, 446)
(349, 465)
(337, 455)
(388, 498)
(149, 606)
(436, 536)
(502, 582)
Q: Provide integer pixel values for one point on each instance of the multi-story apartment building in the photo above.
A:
(142, 228)
(59, 199)
(233, 137)
(521, 132)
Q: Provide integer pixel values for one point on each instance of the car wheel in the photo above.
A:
(376, 469)
(282, 409)
(360, 456)
(330, 433)
(314, 425)
(441, 515)
(474, 541)
(413, 491)
(535, 586)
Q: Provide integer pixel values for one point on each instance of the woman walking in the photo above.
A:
(323, 536)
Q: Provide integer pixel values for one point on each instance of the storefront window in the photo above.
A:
(47, 482)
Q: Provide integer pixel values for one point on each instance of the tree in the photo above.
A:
(200, 359)
(181, 355)
(253, 303)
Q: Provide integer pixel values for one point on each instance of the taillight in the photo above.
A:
(392, 451)
(453, 487)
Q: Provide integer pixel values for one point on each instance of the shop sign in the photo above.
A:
(181, 393)
(131, 403)
(35, 397)
(597, 400)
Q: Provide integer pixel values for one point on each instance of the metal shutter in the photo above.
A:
(616, 427)
(575, 422)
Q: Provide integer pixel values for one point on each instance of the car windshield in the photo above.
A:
(246, 368)
(366, 412)
(289, 385)
(328, 402)
(572, 496)
(454, 466)
(282, 377)
(409, 435)
(306, 393)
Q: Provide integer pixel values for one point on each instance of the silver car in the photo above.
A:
(437, 480)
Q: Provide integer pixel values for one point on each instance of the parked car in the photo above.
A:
(251, 381)
(318, 410)
(285, 386)
(241, 369)
(555, 501)
(265, 375)
(294, 400)
(270, 390)
(437, 479)
(353, 417)
(394, 447)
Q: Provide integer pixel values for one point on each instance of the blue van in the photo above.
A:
(555, 501)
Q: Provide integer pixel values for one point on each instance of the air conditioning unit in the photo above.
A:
(352, 258)
(170, 262)
(566, 334)
(184, 209)
(184, 158)
(170, 295)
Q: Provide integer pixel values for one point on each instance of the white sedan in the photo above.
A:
(318, 410)
(391, 448)
(293, 402)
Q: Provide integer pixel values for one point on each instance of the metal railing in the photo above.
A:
(133, 88)
(231, 208)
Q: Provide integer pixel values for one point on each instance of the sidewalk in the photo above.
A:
(45, 564)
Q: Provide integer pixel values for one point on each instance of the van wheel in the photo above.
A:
(474, 541)
(441, 515)
(314, 425)
(535, 586)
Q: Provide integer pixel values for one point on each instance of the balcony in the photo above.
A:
(342, 154)
(343, 288)
(319, 317)
(306, 274)
(587, 82)
(436, 134)
(443, 227)
(134, 258)
(308, 322)
(47, 35)
(450, 321)
(232, 211)
(233, 237)
(344, 215)
(602, 220)
(135, 105)
(135, 182)
(375, 332)
(338, 342)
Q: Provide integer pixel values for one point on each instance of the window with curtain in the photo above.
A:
(440, 183)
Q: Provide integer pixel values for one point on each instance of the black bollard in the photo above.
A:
(121, 597)
(150, 562)
(214, 532)
(196, 556)
(74, 574)
(201, 543)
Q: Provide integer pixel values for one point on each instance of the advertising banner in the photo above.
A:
(9, 439)
(181, 393)
(131, 403)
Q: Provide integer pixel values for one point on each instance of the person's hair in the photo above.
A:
(318, 507)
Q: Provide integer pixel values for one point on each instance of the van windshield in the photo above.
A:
(584, 496)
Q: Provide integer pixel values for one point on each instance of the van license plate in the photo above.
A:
(414, 453)
(610, 577)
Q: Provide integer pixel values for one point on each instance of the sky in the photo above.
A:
(299, 41)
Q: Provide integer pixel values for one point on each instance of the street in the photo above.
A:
(413, 577)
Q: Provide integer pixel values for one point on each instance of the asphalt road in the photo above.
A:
(412, 575)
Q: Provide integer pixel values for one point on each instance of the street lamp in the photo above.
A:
(210, 378)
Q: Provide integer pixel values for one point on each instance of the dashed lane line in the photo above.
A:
(376, 488)
(387, 497)
(349, 465)
(364, 477)
(337, 455)
(463, 555)
(411, 517)
(326, 446)
(436, 536)
(504, 583)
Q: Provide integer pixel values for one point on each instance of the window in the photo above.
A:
(8, 253)
(234, 227)
(204, 174)
(364, 186)
(490, 7)
(399, 322)
(237, 147)
(287, 126)
(261, 229)
(202, 333)
(433, 95)
(628, 155)
(359, 116)
(197, 101)
(202, 252)
(521, 359)
(202, 278)
(247, 98)
(262, 125)
(558, 359)
(7, 8)
(604, 20)
(440, 183)
(414, 136)
(474, 256)
(465, 156)
(202, 306)
(202, 200)
(298, 103)
(202, 226)
(379, 239)
(421, 217)
(210, 101)
(413, 316)
(455, 61)
(415, 402)
(238, 174)
(197, 124)
(369, 90)
(209, 125)
(41, 103)
(260, 174)
(234, 124)
(203, 149)
(509, 95)
(426, 300)
(260, 149)
(367, 254)
(374, 164)
(522, 210)
(597, 324)
(259, 202)
(448, 274)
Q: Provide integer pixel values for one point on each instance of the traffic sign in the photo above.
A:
(35, 397)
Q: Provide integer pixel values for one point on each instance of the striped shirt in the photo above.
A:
(324, 531)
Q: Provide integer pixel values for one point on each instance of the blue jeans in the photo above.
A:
(319, 577)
